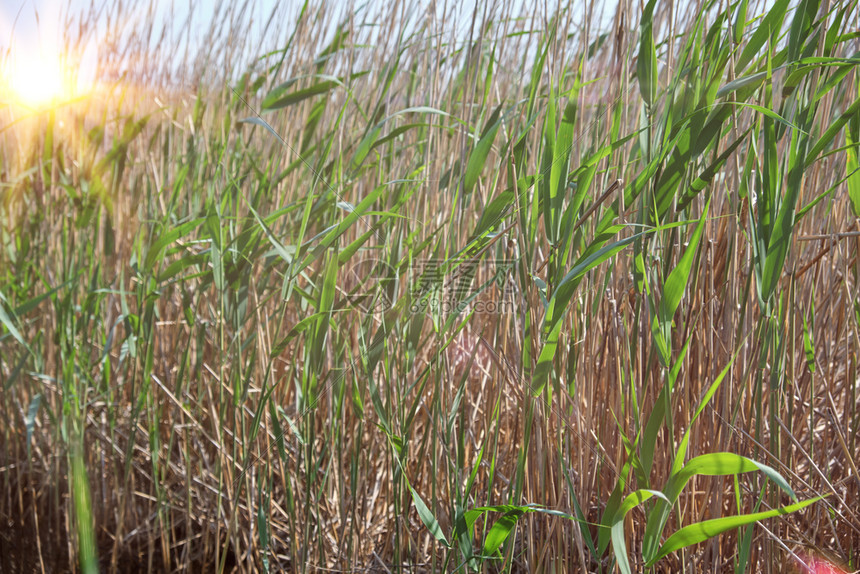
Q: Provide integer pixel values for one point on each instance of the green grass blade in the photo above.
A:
(768, 28)
(278, 99)
(673, 291)
(701, 531)
(500, 531)
(479, 154)
(852, 165)
(619, 546)
(646, 66)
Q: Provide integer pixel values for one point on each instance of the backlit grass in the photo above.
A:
(410, 287)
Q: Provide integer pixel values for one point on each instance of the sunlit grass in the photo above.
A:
(223, 339)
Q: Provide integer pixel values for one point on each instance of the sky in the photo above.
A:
(30, 30)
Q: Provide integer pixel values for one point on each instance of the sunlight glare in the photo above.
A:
(38, 81)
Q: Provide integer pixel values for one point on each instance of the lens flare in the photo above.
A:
(816, 565)
(38, 80)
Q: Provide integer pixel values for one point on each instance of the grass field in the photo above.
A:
(409, 286)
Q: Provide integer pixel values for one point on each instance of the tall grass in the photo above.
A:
(410, 287)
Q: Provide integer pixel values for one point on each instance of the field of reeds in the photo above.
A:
(412, 286)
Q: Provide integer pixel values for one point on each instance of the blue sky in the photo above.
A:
(32, 27)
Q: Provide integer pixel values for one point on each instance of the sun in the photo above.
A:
(38, 81)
